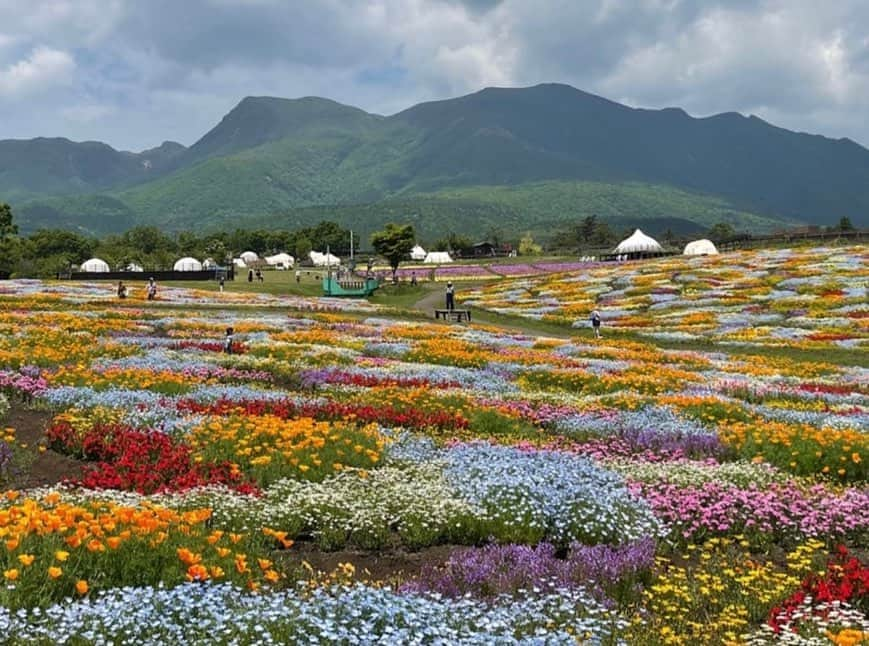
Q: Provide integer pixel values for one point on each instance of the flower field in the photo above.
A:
(588, 491)
(812, 297)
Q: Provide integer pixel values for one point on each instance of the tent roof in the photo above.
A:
(438, 257)
(638, 241)
(187, 264)
(702, 247)
(95, 264)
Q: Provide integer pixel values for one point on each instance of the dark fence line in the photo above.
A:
(750, 241)
(160, 276)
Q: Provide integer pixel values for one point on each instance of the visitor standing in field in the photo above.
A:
(122, 289)
(451, 297)
(595, 323)
(152, 289)
(220, 282)
(227, 342)
(250, 275)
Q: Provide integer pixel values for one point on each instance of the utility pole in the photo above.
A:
(351, 244)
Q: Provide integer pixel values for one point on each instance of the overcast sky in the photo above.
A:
(134, 73)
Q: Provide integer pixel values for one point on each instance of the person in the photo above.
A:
(250, 275)
(451, 296)
(227, 342)
(122, 289)
(413, 278)
(259, 275)
(298, 276)
(595, 323)
(152, 289)
(220, 282)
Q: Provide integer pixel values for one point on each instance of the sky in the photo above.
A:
(135, 73)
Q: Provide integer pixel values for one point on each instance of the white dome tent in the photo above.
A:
(437, 258)
(96, 265)
(134, 267)
(249, 257)
(417, 253)
(209, 263)
(187, 264)
(702, 247)
(280, 259)
(638, 242)
(238, 262)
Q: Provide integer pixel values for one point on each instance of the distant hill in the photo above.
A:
(535, 155)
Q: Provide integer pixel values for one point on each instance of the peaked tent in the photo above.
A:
(702, 247)
(323, 259)
(284, 259)
(187, 264)
(437, 257)
(638, 242)
(95, 265)
(417, 253)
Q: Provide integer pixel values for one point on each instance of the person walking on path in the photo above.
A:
(595, 323)
(227, 341)
(298, 276)
(451, 297)
(220, 282)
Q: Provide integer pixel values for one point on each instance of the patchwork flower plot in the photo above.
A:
(620, 490)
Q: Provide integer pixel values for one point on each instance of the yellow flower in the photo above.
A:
(10, 575)
(61, 556)
(81, 586)
(26, 559)
(55, 572)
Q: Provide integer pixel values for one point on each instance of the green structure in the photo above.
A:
(350, 288)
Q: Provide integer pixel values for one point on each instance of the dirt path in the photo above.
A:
(39, 469)
(435, 299)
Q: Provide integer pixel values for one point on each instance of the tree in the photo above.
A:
(10, 247)
(845, 224)
(527, 246)
(587, 228)
(721, 232)
(394, 243)
(303, 248)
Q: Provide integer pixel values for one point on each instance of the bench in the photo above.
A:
(454, 315)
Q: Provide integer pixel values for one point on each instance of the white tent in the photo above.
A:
(238, 262)
(323, 259)
(134, 267)
(283, 259)
(249, 257)
(209, 263)
(417, 253)
(638, 242)
(187, 264)
(437, 257)
(95, 264)
(702, 247)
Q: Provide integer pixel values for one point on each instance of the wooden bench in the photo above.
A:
(454, 315)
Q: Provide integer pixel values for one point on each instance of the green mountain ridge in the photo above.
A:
(535, 155)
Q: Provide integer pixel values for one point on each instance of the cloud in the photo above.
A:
(166, 69)
(43, 70)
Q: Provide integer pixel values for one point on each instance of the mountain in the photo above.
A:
(39, 167)
(528, 156)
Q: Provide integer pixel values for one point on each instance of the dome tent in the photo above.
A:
(249, 257)
(417, 253)
(95, 265)
(135, 267)
(437, 258)
(702, 247)
(283, 259)
(638, 242)
(209, 263)
(187, 264)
